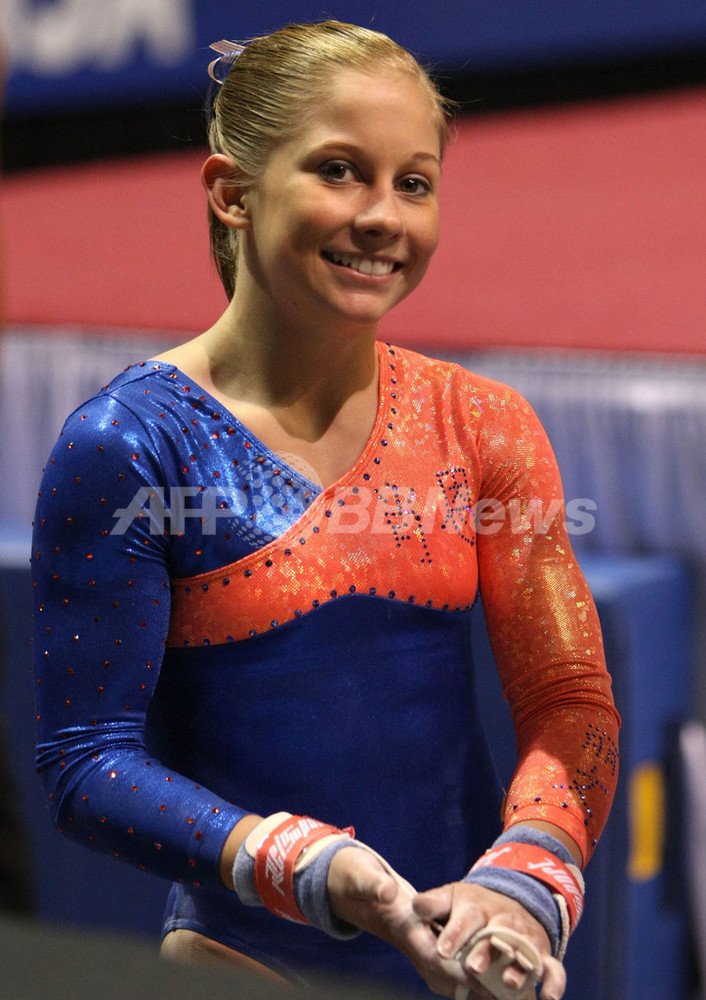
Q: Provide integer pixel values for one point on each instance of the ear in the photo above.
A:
(225, 187)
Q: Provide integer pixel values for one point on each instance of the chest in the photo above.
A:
(399, 525)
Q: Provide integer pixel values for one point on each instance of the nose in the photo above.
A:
(381, 215)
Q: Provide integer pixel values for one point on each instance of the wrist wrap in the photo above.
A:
(537, 870)
(283, 864)
(277, 855)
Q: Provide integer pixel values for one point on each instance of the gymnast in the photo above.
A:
(255, 558)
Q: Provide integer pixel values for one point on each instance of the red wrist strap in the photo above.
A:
(542, 865)
(276, 857)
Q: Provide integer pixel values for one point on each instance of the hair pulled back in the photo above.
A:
(273, 88)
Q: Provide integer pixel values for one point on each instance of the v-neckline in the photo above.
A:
(277, 459)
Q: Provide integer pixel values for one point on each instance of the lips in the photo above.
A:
(363, 265)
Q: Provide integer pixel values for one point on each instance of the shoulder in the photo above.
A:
(486, 416)
(117, 428)
(133, 396)
(481, 395)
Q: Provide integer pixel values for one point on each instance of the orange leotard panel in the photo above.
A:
(399, 525)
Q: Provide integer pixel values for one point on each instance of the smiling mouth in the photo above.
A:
(363, 265)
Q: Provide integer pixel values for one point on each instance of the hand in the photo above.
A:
(460, 909)
(363, 893)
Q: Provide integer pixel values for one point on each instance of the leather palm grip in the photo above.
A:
(509, 948)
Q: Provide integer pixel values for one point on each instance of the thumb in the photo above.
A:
(387, 889)
(362, 875)
(433, 904)
(373, 882)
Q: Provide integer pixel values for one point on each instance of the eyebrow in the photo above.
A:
(426, 156)
(352, 148)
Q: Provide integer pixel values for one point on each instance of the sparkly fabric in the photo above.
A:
(215, 635)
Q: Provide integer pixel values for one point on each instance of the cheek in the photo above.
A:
(429, 236)
(314, 224)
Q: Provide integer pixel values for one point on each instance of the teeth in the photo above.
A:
(362, 264)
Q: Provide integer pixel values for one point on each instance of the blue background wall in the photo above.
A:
(86, 52)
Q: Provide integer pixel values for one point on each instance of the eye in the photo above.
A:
(336, 172)
(415, 186)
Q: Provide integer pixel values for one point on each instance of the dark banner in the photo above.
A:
(87, 53)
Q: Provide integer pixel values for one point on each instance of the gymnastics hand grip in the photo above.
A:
(510, 948)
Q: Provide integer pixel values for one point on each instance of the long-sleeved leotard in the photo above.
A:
(216, 635)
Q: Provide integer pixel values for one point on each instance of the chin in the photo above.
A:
(369, 312)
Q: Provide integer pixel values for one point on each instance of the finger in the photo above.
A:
(464, 921)
(452, 915)
(518, 966)
(514, 978)
(477, 960)
(504, 962)
(553, 979)
(435, 904)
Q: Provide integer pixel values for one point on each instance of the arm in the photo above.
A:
(546, 641)
(101, 618)
(547, 644)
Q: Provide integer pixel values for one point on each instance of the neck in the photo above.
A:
(298, 391)
(296, 366)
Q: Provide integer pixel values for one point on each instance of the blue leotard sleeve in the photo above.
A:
(102, 605)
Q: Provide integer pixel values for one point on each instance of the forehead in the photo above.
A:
(372, 105)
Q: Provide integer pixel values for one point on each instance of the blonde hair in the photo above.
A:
(272, 88)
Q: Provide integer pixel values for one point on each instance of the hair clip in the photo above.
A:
(219, 69)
